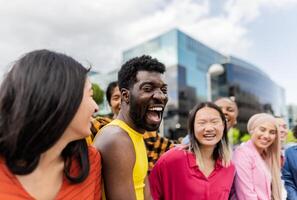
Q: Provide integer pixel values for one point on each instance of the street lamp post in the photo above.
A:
(213, 70)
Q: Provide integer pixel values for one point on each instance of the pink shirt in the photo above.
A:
(253, 179)
(177, 177)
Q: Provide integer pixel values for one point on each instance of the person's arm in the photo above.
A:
(118, 158)
(287, 176)
(147, 191)
(244, 184)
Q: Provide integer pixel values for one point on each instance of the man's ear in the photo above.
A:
(125, 95)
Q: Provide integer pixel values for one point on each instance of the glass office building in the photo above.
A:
(253, 90)
(292, 115)
(187, 62)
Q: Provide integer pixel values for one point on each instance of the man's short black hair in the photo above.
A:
(128, 71)
(109, 90)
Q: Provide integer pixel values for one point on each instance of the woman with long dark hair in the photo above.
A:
(45, 113)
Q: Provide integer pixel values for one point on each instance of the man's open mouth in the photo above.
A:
(154, 114)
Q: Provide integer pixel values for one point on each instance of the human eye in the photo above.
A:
(230, 109)
(272, 132)
(164, 89)
(147, 88)
(216, 122)
(201, 122)
(115, 97)
(262, 129)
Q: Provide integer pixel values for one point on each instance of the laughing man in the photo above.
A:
(143, 99)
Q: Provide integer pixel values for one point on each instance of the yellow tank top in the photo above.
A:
(89, 140)
(141, 163)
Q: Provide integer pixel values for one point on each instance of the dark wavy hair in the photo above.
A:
(128, 71)
(38, 99)
(220, 151)
(109, 90)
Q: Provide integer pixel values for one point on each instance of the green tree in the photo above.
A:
(290, 137)
(233, 135)
(98, 93)
(245, 137)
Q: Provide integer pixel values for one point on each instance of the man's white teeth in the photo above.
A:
(156, 109)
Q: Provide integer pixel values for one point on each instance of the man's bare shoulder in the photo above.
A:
(116, 149)
(112, 137)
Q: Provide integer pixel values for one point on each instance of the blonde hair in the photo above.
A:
(273, 152)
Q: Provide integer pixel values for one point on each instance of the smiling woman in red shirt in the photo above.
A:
(201, 171)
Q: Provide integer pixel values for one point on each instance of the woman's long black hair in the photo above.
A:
(38, 99)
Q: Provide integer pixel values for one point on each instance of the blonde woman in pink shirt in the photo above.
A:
(257, 161)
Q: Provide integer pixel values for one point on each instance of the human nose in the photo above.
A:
(160, 95)
(208, 127)
(96, 107)
(226, 113)
(266, 134)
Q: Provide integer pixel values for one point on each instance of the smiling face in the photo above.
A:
(229, 109)
(147, 99)
(208, 127)
(80, 125)
(264, 135)
(115, 101)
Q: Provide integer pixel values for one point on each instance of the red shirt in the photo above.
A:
(90, 188)
(177, 177)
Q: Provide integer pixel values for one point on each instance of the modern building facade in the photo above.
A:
(253, 90)
(292, 115)
(187, 63)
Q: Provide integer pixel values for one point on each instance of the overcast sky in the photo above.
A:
(262, 32)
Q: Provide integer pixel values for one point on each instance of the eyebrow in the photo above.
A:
(261, 126)
(115, 95)
(152, 83)
(232, 107)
